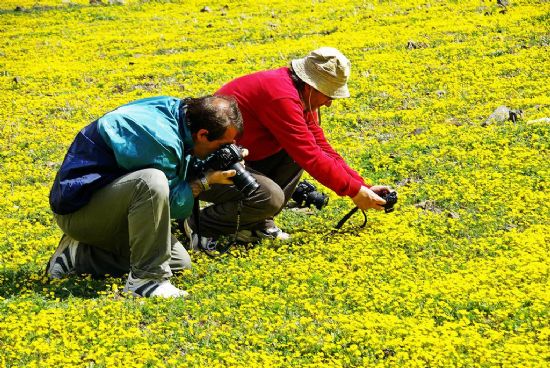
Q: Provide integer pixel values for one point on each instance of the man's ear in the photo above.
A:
(202, 135)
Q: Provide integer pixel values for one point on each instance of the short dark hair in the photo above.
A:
(213, 113)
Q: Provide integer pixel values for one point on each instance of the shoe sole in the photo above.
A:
(136, 295)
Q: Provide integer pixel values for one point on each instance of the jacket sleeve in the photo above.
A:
(285, 120)
(322, 142)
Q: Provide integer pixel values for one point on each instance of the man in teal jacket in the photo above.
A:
(125, 176)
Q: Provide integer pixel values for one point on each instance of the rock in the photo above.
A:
(384, 137)
(503, 3)
(417, 131)
(416, 45)
(429, 205)
(453, 215)
(502, 114)
(206, 9)
(538, 121)
(454, 121)
(405, 181)
(118, 89)
(515, 115)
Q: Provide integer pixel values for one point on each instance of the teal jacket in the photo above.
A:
(147, 133)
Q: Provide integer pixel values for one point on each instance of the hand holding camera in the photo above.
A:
(225, 167)
(379, 197)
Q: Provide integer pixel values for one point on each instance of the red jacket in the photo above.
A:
(274, 119)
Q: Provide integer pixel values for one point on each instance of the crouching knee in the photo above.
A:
(179, 259)
(270, 199)
(155, 182)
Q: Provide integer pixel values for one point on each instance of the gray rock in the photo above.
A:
(417, 131)
(537, 121)
(502, 114)
(429, 205)
(411, 45)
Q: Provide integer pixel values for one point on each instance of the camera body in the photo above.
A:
(306, 195)
(391, 200)
(229, 157)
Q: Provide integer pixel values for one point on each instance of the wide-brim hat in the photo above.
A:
(325, 69)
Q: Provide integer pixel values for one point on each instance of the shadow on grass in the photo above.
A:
(30, 280)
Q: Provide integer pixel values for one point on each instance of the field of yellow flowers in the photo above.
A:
(457, 276)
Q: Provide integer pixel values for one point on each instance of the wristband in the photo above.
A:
(204, 183)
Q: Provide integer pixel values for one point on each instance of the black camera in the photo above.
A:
(306, 195)
(391, 199)
(229, 157)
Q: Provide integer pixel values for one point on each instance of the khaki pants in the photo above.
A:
(126, 227)
(277, 175)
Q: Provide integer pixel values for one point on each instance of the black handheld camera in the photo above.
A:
(229, 157)
(391, 199)
(306, 195)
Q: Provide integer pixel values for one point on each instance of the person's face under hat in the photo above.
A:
(313, 99)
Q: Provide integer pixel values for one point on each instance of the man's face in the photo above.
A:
(314, 99)
(203, 147)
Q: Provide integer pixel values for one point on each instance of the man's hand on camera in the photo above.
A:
(244, 153)
(220, 177)
(381, 190)
(211, 177)
(368, 198)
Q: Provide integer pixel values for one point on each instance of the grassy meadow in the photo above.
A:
(456, 276)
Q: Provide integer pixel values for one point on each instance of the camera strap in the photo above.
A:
(348, 215)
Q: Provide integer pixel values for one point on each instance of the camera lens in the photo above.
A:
(319, 200)
(243, 180)
(306, 195)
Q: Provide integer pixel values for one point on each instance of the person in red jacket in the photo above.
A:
(283, 137)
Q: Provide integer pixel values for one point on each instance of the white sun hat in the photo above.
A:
(325, 69)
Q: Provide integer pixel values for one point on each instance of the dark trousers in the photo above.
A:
(277, 175)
